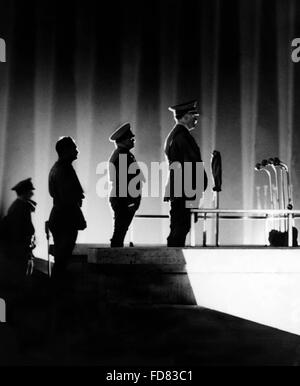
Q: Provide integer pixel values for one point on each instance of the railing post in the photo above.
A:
(131, 233)
(192, 232)
(290, 230)
(217, 220)
(266, 230)
(204, 229)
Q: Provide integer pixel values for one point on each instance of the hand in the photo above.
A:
(30, 265)
(33, 242)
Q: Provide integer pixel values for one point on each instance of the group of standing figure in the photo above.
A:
(66, 217)
(180, 147)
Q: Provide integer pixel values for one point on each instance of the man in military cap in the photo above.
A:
(66, 217)
(181, 149)
(125, 197)
(18, 230)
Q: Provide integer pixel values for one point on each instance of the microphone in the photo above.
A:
(261, 165)
(279, 163)
(276, 161)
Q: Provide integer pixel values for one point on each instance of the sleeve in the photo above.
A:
(66, 187)
(113, 167)
(20, 227)
(139, 172)
(28, 227)
(185, 150)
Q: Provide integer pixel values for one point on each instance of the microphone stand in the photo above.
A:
(265, 196)
(260, 167)
(258, 199)
(283, 202)
(288, 185)
(285, 188)
(270, 163)
(276, 163)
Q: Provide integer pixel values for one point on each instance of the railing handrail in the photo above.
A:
(251, 211)
(152, 215)
(211, 210)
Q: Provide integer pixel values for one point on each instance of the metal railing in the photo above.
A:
(281, 215)
(276, 215)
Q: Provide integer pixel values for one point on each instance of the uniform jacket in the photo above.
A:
(67, 194)
(181, 147)
(18, 224)
(116, 178)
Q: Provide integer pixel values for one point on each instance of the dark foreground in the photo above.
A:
(70, 324)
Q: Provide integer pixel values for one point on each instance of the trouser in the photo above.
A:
(180, 223)
(123, 215)
(64, 243)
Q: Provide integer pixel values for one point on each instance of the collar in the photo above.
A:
(32, 204)
(185, 126)
(123, 149)
(178, 125)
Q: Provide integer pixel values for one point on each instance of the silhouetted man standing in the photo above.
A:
(181, 151)
(19, 231)
(124, 200)
(66, 218)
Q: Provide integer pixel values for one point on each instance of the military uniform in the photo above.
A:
(181, 147)
(66, 217)
(123, 203)
(18, 230)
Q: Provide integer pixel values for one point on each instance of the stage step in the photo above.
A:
(150, 255)
(258, 284)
